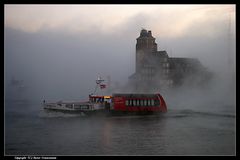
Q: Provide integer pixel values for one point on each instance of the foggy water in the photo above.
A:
(29, 130)
(58, 57)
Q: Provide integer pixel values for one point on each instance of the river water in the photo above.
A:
(29, 130)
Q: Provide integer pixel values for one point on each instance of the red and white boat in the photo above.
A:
(117, 103)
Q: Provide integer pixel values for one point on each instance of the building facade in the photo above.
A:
(155, 70)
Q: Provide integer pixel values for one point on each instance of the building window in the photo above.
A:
(166, 71)
(170, 82)
(167, 65)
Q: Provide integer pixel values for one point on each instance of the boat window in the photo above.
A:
(145, 102)
(156, 102)
(137, 102)
(141, 102)
(77, 106)
(130, 102)
(98, 100)
(126, 103)
(85, 107)
(152, 102)
(134, 102)
(68, 105)
(149, 102)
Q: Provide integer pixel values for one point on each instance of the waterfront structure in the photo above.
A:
(156, 70)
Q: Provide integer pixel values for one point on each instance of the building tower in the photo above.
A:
(145, 46)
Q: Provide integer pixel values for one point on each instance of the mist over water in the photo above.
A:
(56, 65)
(59, 66)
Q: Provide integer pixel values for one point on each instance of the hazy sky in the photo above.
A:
(62, 48)
(164, 20)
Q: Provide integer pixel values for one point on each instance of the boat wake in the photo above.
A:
(54, 114)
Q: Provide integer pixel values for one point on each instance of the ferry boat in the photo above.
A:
(115, 104)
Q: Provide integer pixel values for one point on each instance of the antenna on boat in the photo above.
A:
(98, 82)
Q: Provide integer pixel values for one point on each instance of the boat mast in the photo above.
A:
(98, 82)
